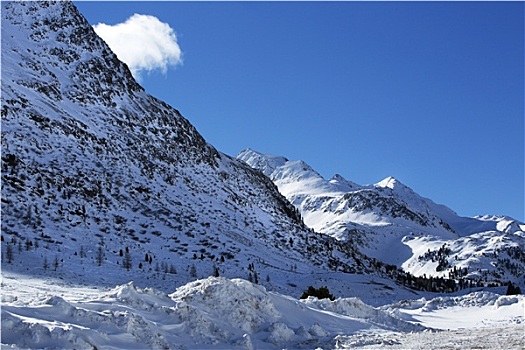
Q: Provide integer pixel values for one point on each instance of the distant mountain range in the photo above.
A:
(390, 222)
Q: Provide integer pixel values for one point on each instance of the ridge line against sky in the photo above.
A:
(429, 93)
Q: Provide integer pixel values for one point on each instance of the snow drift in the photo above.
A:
(221, 313)
(208, 313)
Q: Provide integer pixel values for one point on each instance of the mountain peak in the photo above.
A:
(338, 177)
(266, 163)
(389, 182)
(280, 168)
(343, 184)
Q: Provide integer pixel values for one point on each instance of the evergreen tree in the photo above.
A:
(512, 289)
(100, 253)
(193, 271)
(9, 253)
(321, 293)
(127, 262)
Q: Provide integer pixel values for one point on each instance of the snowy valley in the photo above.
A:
(122, 228)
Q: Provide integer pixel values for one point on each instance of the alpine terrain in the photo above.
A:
(122, 228)
(390, 222)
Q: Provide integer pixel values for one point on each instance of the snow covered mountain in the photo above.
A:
(103, 184)
(98, 175)
(392, 223)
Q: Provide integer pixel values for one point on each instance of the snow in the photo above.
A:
(327, 205)
(474, 310)
(507, 337)
(480, 320)
(267, 164)
(389, 182)
(100, 163)
(392, 223)
(477, 252)
(115, 167)
(220, 313)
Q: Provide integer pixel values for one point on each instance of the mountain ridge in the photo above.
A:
(91, 160)
(390, 222)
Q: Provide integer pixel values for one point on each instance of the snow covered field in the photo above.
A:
(220, 313)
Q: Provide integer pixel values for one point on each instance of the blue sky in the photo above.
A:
(431, 93)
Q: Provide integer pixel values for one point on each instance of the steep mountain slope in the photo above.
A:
(392, 223)
(99, 174)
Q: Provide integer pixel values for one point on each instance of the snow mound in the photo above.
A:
(213, 313)
(354, 307)
(280, 332)
(475, 299)
(235, 304)
(143, 299)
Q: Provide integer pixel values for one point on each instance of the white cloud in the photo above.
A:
(143, 42)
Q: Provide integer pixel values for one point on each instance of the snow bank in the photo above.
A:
(510, 337)
(216, 310)
(209, 313)
(219, 313)
(354, 307)
(475, 299)
(474, 310)
(144, 299)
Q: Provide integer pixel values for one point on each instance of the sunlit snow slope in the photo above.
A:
(392, 223)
